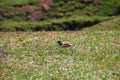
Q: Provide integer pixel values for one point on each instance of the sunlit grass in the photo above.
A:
(31, 56)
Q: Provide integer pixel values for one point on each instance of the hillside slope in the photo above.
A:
(74, 13)
(58, 9)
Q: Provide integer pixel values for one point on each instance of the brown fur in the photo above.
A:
(64, 44)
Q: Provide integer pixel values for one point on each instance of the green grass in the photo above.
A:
(112, 24)
(18, 2)
(51, 23)
(94, 55)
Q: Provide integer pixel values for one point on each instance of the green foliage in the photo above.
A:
(60, 8)
(109, 7)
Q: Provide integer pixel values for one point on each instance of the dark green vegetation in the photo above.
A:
(76, 23)
(62, 15)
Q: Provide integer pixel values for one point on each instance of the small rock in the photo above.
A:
(2, 53)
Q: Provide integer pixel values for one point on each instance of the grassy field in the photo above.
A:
(95, 50)
(94, 55)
